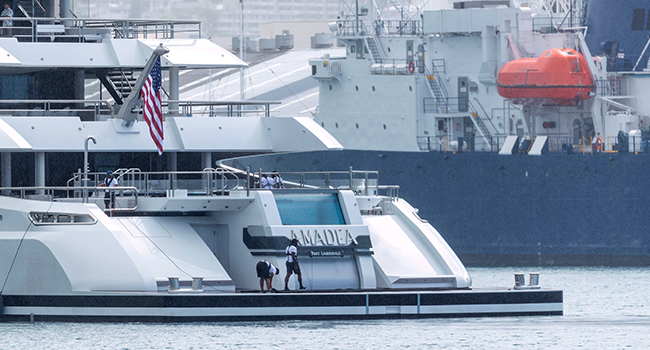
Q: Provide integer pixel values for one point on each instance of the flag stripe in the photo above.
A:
(152, 108)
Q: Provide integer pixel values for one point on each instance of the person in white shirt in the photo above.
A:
(109, 195)
(277, 180)
(266, 271)
(266, 183)
(292, 264)
(7, 13)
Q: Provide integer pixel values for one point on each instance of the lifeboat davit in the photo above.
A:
(558, 76)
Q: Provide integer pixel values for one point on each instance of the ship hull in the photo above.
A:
(495, 210)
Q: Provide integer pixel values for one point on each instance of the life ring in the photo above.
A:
(411, 67)
(599, 144)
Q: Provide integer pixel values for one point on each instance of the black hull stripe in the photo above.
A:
(288, 300)
(158, 319)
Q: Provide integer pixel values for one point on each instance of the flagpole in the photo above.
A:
(242, 49)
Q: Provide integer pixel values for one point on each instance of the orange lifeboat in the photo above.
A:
(558, 76)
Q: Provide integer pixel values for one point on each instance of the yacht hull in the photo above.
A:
(304, 305)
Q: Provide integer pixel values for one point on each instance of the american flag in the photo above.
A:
(152, 96)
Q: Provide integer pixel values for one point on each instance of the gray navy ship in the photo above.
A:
(544, 166)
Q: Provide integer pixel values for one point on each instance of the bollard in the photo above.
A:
(534, 279)
(520, 280)
(174, 283)
(197, 283)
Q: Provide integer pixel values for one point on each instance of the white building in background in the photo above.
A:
(220, 18)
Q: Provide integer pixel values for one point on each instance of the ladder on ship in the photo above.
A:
(374, 50)
(119, 83)
(438, 94)
(479, 124)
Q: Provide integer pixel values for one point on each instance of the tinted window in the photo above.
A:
(638, 19)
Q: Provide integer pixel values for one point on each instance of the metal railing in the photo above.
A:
(558, 143)
(39, 29)
(219, 108)
(81, 194)
(94, 109)
(208, 182)
(608, 87)
(39, 108)
(351, 27)
(398, 27)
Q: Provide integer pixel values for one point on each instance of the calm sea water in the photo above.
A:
(604, 308)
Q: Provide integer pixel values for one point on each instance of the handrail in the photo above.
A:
(48, 192)
(48, 103)
(117, 29)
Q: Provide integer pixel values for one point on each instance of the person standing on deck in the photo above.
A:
(292, 264)
(7, 22)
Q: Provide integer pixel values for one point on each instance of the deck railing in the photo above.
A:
(39, 29)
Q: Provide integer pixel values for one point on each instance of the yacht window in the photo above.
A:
(45, 218)
(309, 209)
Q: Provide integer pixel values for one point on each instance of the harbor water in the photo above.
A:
(604, 308)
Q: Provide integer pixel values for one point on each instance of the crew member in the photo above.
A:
(266, 271)
(292, 264)
(109, 195)
(277, 180)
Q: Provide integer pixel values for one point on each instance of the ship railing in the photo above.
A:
(208, 182)
(222, 180)
(445, 105)
(398, 27)
(555, 143)
(125, 196)
(93, 109)
(350, 27)
(608, 87)
(447, 143)
(96, 110)
(40, 29)
(392, 67)
(218, 108)
(361, 182)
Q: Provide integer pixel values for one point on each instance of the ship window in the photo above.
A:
(330, 87)
(388, 49)
(548, 53)
(0, 217)
(356, 87)
(647, 27)
(410, 88)
(309, 209)
(41, 218)
(637, 19)
(313, 70)
(322, 124)
(357, 124)
(337, 125)
(384, 129)
(373, 88)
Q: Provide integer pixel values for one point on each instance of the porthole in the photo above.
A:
(356, 87)
(410, 88)
(389, 49)
(357, 124)
(384, 126)
(373, 88)
(337, 125)
(330, 87)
